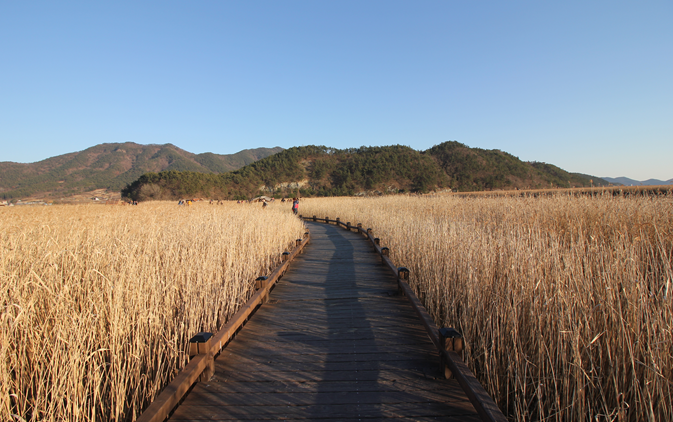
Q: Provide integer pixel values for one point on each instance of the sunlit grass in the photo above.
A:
(97, 302)
(565, 302)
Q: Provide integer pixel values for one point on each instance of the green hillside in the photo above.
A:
(324, 171)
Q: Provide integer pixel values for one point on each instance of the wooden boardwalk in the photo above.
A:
(334, 342)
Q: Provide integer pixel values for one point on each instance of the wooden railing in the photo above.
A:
(449, 342)
(205, 346)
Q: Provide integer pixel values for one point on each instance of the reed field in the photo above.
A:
(565, 303)
(97, 303)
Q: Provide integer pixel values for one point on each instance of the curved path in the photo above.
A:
(334, 342)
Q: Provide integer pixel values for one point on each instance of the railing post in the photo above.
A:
(402, 274)
(369, 231)
(385, 251)
(348, 226)
(315, 218)
(451, 341)
(326, 220)
(200, 345)
(260, 282)
(338, 220)
(377, 241)
(285, 256)
(297, 242)
(359, 227)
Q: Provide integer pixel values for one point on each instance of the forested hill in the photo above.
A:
(112, 166)
(323, 171)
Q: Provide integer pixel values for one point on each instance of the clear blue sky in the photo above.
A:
(585, 85)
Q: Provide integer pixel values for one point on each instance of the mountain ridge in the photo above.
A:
(631, 182)
(112, 166)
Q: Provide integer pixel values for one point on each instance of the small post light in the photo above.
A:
(260, 282)
(201, 344)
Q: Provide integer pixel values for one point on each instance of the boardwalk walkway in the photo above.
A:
(334, 342)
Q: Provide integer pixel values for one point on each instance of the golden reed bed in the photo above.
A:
(566, 303)
(97, 303)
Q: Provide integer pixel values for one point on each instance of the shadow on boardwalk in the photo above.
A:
(335, 342)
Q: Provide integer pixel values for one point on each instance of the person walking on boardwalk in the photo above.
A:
(295, 205)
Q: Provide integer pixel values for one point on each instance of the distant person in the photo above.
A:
(295, 205)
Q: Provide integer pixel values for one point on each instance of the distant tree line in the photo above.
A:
(322, 171)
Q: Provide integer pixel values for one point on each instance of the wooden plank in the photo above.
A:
(422, 365)
(319, 411)
(284, 386)
(335, 341)
(306, 398)
(397, 375)
(289, 349)
(463, 418)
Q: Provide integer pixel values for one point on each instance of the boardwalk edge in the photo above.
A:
(479, 397)
(162, 406)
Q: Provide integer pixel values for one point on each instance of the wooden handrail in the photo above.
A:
(480, 399)
(171, 395)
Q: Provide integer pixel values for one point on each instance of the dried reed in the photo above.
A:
(565, 302)
(97, 303)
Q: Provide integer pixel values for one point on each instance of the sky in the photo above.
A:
(584, 85)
